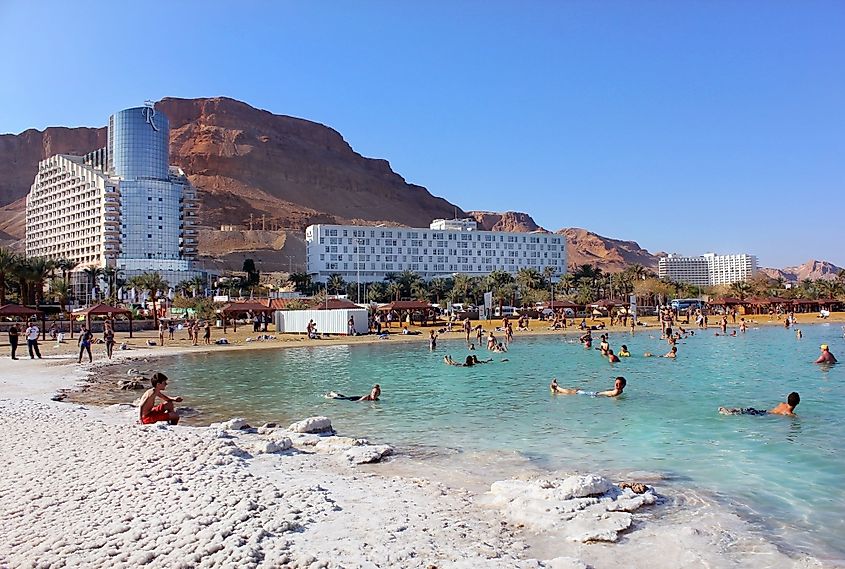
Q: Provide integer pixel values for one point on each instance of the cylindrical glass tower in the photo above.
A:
(139, 141)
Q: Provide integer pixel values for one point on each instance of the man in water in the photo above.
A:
(672, 354)
(618, 387)
(611, 357)
(152, 413)
(787, 408)
(826, 357)
(372, 396)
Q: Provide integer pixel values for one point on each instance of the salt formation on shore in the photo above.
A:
(578, 508)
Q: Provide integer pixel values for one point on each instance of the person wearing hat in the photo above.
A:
(826, 357)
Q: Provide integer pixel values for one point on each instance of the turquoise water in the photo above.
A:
(784, 474)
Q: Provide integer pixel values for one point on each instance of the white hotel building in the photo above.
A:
(444, 248)
(708, 269)
(122, 206)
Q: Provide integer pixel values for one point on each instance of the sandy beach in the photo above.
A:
(86, 486)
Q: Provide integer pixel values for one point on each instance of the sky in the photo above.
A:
(688, 127)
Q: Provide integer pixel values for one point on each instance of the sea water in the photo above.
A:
(783, 474)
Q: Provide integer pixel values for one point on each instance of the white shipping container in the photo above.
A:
(327, 321)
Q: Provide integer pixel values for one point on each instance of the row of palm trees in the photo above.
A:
(583, 284)
(27, 278)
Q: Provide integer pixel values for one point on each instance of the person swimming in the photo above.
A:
(672, 354)
(623, 352)
(611, 357)
(787, 408)
(372, 396)
(618, 388)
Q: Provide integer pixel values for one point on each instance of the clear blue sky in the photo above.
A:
(688, 126)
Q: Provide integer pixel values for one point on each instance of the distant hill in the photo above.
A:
(271, 175)
(507, 221)
(812, 269)
(611, 255)
(244, 161)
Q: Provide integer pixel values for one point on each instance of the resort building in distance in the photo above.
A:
(122, 206)
(708, 269)
(446, 247)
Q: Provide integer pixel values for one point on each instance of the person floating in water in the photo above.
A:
(826, 357)
(671, 354)
(787, 408)
(618, 387)
(372, 396)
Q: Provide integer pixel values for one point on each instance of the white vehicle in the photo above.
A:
(502, 311)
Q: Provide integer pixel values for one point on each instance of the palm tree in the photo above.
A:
(406, 280)
(38, 269)
(8, 262)
(740, 289)
(394, 290)
(197, 284)
(419, 291)
(377, 292)
(301, 282)
(336, 283)
(61, 290)
(92, 273)
(461, 288)
(152, 283)
(66, 266)
(528, 278)
(111, 274)
(438, 288)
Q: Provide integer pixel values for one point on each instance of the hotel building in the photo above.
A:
(708, 269)
(444, 248)
(122, 206)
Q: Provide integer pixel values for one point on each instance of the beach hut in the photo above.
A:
(103, 310)
(408, 307)
(24, 313)
(235, 309)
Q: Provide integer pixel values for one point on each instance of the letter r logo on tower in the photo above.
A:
(149, 114)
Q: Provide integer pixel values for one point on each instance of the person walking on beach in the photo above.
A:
(108, 339)
(161, 328)
(206, 333)
(85, 338)
(152, 413)
(195, 332)
(787, 408)
(32, 340)
(14, 333)
(826, 357)
(467, 329)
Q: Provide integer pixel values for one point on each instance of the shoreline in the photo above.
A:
(672, 525)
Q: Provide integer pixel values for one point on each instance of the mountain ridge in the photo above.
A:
(262, 172)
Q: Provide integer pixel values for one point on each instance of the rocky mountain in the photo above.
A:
(812, 269)
(284, 171)
(507, 221)
(586, 247)
(268, 176)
